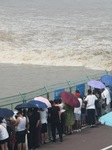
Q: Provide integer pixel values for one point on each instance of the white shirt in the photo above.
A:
(43, 116)
(3, 132)
(90, 99)
(78, 110)
(106, 94)
(62, 107)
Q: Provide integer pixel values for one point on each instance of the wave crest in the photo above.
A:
(95, 59)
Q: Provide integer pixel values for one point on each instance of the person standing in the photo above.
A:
(20, 125)
(106, 97)
(90, 99)
(3, 136)
(77, 112)
(34, 127)
(43, 120)
(60, 104)
(55, 115)
(69, 119)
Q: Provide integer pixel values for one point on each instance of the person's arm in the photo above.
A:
(38, 121)
(27, 123)
(17, 121)
(59, 113)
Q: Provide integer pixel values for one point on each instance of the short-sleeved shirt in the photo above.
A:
(43, 116)
(78, 109)
(90, 99)
(54, 114)
(3, 132)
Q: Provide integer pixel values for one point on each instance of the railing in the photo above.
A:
(48, 91)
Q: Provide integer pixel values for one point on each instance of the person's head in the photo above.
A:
(60, 100)
(56, 101)
(77, 93)
(20, 112)
(89, 92)
(30, 111)
(52, 102)
(35, 110)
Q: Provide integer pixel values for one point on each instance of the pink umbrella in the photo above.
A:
(44, 100)
(70, 99)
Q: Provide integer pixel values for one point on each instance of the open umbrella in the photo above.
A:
(6, 113)
(96, 84)
(44, 100)
(70, 99)
(38, 103)
(25, 105)
(107, 80)
(106, 119)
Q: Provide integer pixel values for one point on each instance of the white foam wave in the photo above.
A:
(95, 60)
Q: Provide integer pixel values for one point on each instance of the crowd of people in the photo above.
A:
(33, 127)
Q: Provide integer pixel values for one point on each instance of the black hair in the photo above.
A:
(77, 91)
(52, 102)
(89, 91)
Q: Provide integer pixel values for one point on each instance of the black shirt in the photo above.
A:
(54, 114)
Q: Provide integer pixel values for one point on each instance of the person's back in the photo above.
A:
(34, 127)
(3, 136)
(43, 116)
(90, 99)
(20, 124)
(54, 113)
(78, 109)
(3, 131)
(106, 96)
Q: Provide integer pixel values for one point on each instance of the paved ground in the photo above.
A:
(88, 139)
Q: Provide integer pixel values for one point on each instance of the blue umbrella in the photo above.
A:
(96, 84)
(38, 104)
(25, 105)
(107, 80)
(6, 113)
(106, 119)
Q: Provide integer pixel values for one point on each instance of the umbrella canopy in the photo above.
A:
(107, 80)
(106, 119)
(70, 99)
(44, 100)
(6, 113)
(96, 84)
(25, 105)
(38, 103)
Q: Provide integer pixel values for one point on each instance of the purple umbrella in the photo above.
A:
(96, 84)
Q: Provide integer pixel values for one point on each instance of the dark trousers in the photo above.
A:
(54, 126)
(91, 116)
(33, 139)
(63, 127)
